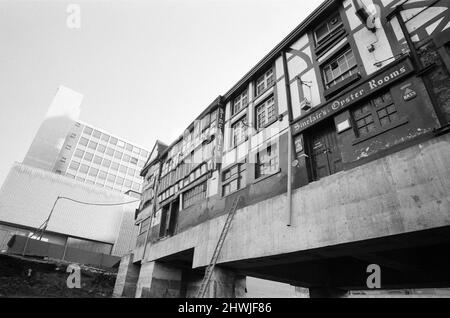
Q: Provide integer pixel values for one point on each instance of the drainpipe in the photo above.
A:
(289, 160)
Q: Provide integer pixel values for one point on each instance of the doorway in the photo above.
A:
(324, 151)
(169, 217)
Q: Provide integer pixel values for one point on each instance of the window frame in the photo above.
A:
(374, 109)
(196, 197)
(258, 163)
(331, 32)
(242, 122)
(264, 104)
(334, 59)
(240, 97)
(241, 170)
(266, 84)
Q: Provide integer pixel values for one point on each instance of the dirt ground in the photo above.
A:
(23, 277)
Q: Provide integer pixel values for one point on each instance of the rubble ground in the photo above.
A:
(31, 277)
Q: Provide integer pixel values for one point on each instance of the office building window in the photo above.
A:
(88, 130)
(122, 169)
(68, 147)
(102, 175)
(339, 68)
(113, 141)
(84, 168)
(267, 161)
(109, 151)
(105, 137)
(93, 172)
(144, 153)
(239, 131)
(79, 153)
(240, 102)
(126, 158)
(96, 134)
(111, 178)
(129, 147)
(84, 141)
(375, 114)
(118, 155)
(119, 181)
(133, 160)
(127, 183)
(264, 81)
(92, 145)
(114, 166)
(194, 195)
(106, 163)
(88, 156)
(136, 150)
(74, 165)
(233, 179)
(131, 172)
(327, 29)
(101, 148)
(98, 160)
(120, 144)
(265, 113)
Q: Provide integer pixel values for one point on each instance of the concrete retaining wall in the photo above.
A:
(403, 192)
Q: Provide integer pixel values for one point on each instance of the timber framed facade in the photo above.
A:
(349, 92)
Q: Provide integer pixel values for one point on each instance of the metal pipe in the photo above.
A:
(289, 156)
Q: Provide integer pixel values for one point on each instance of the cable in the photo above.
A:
(43, 227)
(98, 204)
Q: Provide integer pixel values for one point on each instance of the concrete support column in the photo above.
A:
(127, 277)
(158, 280)
(326, 292)
(226, 284)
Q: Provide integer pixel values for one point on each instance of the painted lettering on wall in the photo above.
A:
(378, 82)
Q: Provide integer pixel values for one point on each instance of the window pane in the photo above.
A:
(93, 172)
(97, 160)
(96, 134)
(87, 130)
(113, 141)
(93, 145)
(84, 141)
(101, 148)
(88, 156)
(105, 137)
(74, 165)
(109, 151)
(84, 169)
(79, 153)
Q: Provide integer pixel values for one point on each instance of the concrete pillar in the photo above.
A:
(226, 284)
(301, 292)
(158, 280)
(127, 277)
(326, 292)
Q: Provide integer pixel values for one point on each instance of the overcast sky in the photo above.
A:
(145, 68)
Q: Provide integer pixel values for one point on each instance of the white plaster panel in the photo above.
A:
(281, 96)
(363, 39)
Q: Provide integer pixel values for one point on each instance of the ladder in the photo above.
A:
(209, 270)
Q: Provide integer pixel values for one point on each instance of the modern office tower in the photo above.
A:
(66, 146)
(94, 156)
